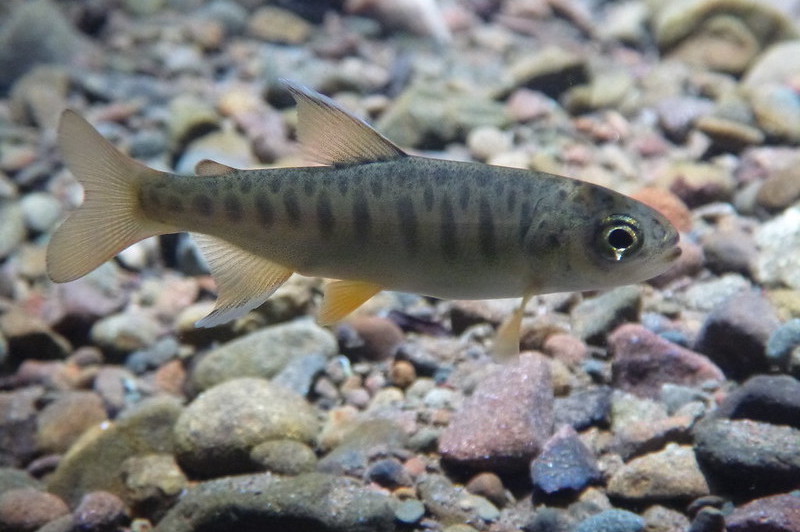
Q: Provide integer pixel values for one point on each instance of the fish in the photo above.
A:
(369, 216)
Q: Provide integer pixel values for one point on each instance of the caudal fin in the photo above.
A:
(110, 218)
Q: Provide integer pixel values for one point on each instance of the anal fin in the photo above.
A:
(506, 343)
(343, 297)
(244, 280)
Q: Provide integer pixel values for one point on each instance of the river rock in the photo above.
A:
(506, 420)
(27, 509)
(313, 501)
(768, 398)
(668, 475)
(263, 353)
(565, 465)
(612, 521)
(593, 319)
(217, 431)
(779, 513)
(778, 240)
(63, 421)
(364, 441)
(95, 461)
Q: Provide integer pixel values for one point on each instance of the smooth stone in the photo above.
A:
(748, 457)
(612, 521)
(409, 511)
(593, 319)
(662, 519)
(705, 296)
(729, 251)
(125, 332)
(677, 114)
(777, 64)
(12, 227)
(284, 457)
(430, 116)
(11, 478)
(644, 361)
(389, 473)
(735, 334)
(565, 465)
(767, 398)
(41, 211)
(263, 353)
(443, 499)
(728, 134)
(707, 519)
(781, 189)
(29, 337)
(225, 146)
(312, 501)
(27, 509)
(487, 141)
(778, 240)
(190, 118)
(552, 71)
(697, 183)
(782, 342)
(299, 373)
(273, 24)
(507, 419)
(490, 486)
(63, 421)
(36, 33)
(777, 111)
(639, 438)
(95, 461)
(779, 513)
(216, 433)
(668, 475)
(369, 338)
(584, 408)
(362, 443)
(18, 414)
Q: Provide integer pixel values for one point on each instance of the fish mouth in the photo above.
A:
(674, 253)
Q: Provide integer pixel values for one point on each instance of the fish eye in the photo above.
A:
(619, 236)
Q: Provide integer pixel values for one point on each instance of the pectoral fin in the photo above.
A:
(506, 343)
(343, 297)
(244, 280)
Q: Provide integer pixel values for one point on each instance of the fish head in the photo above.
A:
(607, 239)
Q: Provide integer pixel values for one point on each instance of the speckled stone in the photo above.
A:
(565, 465)
(99, 511)
(506, 420)
(612, 521)
(644, 361)
(768, 398)
(61, 422)
(363, 442)
(668, 475)
(779, 513)
(27, 509)
(284, 457)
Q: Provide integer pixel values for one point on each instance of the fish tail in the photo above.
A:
(110, 218)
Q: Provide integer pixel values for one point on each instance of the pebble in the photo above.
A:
(263, 353)
(117, 386)
(442, 499)
(96, 462)
(273, 24)
(565, 465)
(403, 374)
(768, 398)
(284, 457)
(729, 250)
(125, 332)
(152, 484)
(708, 519)
(778, 513)
(11, 478)
(389, 473)
(300, 372)
(749, 457)
(12, 221)
(644, 361)
(698, 183)
(584, 408)
(63, 421)
(593, 319)
(409, 511)
(100, 511)
(780, 190)
(551, 71)
(668, 475)
(363, 442)
(216, 433)
(735, 334)
(507, 419)
(777, 111)
(612, 521)
(369, 338)
(489, 486)
(27, 509)
(778, 241)
(18, 425)
(29, 337)
(41, 211)
(661, 519)
(777, 64)
(265, 501)
(783, 342)
(486, 142)
(639, 438)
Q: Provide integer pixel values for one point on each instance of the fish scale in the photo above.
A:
(372, 217)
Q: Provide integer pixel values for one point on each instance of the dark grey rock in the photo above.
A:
(584, 408)
(312, 502)
(768, 398)
(735, 334)
(593, 319)
(612, 521)
(708, 520)
(779, 513)
(747, 457)
(565, 465)
(388, 472)
(154, 356)
(18, 425)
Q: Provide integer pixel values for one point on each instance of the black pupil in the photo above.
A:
(620, 238)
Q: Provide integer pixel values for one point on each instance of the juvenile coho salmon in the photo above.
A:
(373, 217)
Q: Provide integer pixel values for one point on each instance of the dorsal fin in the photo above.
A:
(331, 135)
(208, 167)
